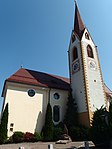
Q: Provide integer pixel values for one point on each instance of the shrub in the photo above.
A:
(28, 137)
(71, 116)
(48, 127)
(38, 136)
(99, 130)
(79, 133)
(3, 125)
(18, 137)
(57, 133)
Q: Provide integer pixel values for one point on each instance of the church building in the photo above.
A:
(28, 92)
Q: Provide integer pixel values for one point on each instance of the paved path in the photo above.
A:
(44, 145)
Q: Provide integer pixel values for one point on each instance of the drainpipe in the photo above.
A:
(49, 95)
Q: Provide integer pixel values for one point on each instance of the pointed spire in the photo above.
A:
(78, 23)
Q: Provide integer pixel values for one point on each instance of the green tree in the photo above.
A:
(48, 127)
(99, 131)
(71, 116)
(3, 125)
(110, 120)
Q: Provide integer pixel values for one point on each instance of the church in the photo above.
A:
(28, 92)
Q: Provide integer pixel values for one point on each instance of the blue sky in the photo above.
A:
(36, 35)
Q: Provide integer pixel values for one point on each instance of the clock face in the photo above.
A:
(76, 66)
(92, 65)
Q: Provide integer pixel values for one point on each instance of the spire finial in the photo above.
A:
(75, 2)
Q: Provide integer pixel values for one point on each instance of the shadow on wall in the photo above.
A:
(39, 123)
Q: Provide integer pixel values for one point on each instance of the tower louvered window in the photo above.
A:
(90, 51)
(73, 38)
(75, 54)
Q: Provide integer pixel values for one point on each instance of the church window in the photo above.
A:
(73, 38)
(56, 113)
(90, 51)
(56, 96)
(11, 124)
(11, 129)
(86, 36)
(75, 54)
(31, 92)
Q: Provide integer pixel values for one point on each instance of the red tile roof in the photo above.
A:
(40, 79)
(108, 91)
(31, 77)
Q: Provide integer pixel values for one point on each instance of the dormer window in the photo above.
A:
(90, 51)
(74, 54)
(87, 35)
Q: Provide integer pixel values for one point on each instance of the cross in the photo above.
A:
(75, 1)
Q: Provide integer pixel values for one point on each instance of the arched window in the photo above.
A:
(75, 54)
(86, 36)
(90, 51)
(73, 38)
(56, 113)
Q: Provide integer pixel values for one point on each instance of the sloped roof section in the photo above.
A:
(78, 23)
(108, 91)
(32, 77)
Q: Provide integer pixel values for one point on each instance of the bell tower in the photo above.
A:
(85, 71)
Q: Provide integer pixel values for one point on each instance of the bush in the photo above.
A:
(99, 130)
(28, 137)
(18, 137)
(71, 116)
(3, 125)
(48, 127)
(79, 133)
(38, 136)
(57, 133)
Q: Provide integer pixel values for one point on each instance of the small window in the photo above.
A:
(75, 54)
(31, 92)
(56, 113)
(86, 36)
(56, 96)
(11, 124)
(90, 51)
(11, 129)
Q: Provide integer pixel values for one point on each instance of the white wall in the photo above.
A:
(28, 113)
(25, 111)
(94, 77)
(61, 102)
(77, 79)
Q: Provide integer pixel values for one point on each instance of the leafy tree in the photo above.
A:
(48, 127)
(99, 130)
(110, 120)
(71, 116)
(3, 125)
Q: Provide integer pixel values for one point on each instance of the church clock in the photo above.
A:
(92, 65)
(75, 66)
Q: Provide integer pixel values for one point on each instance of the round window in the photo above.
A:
(56, 96)
(31, 92)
